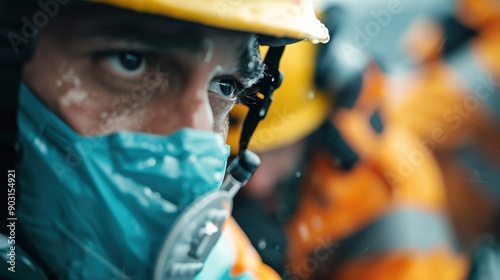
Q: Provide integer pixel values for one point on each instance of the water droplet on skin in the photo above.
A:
(70, 77)
(74, 95)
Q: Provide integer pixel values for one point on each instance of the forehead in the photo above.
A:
(98, 20)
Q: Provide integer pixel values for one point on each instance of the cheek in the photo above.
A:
(99, 105)
(61, 88)
(220, 108)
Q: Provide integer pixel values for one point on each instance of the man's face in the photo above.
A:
(103, 69)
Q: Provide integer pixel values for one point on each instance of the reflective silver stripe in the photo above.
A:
(480, 83)
(405, 228)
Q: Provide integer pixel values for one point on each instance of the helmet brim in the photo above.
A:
(283, 20)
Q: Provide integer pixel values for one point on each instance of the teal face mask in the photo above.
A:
(100, 207)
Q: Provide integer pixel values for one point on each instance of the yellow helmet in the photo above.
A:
(293, 19)
(297, 110)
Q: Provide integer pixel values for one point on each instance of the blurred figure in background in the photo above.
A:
(439, 67)
(412, 141)
(452, 90)
(325, 203)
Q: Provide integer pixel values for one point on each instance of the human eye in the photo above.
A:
(125, 64)
(226, 87)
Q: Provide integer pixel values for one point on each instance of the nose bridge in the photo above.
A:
(186, 108)
(185, 102)
(196, 111)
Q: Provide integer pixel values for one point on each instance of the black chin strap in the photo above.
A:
(267, 85)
